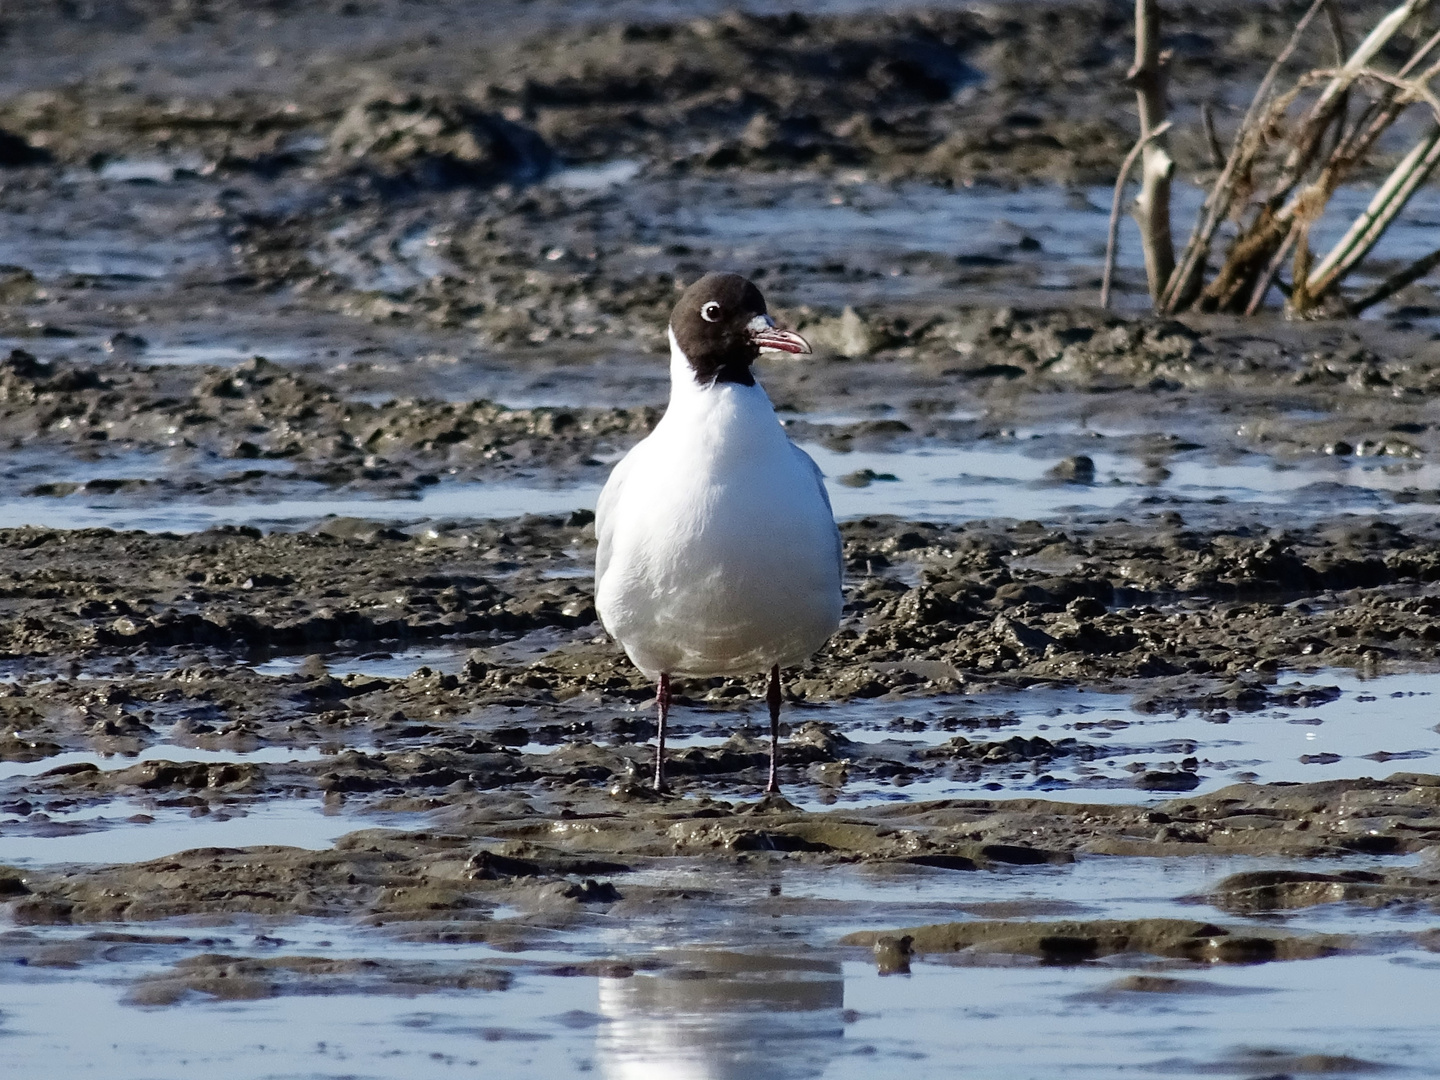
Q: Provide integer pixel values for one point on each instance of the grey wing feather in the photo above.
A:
(825, 495)
(604, 515)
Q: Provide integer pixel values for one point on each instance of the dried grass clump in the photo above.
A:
(1297, 143)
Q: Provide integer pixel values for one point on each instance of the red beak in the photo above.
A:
(773, 339)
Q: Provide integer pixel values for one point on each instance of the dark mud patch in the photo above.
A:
(260, 412)
(1285, 890)
(1017, 91)
(1285, 1063)
(1166, 985)
(1066, 942)
(567, 857)
(1019, 602)
(463, 658)
(232, 978)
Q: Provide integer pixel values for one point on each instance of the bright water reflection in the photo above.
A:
(381, 665)
(959, 484)
(722, 1016)
(783, 1012)
(452, 501)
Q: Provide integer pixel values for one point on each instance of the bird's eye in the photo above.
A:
(710, 312)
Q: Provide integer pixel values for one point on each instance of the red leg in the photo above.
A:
(662, 707)
(772, 698)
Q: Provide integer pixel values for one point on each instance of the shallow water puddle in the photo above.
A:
(126, 830)
(1027, 1021)
(1092, 887)
(922, 241)
(805, 1018)
(958, 484)
(220, 354)
(443, 659)
(1375, 727)
(1041, 235)
(936, 483)
(158, 752)
(596, 177)
(40, 472)
(735, 990)
(103, 237)
(378, 665)
(450, 501)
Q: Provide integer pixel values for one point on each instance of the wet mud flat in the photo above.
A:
(398, 769)
(319, 329)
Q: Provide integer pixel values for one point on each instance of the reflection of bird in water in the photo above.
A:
(718, 553)
(723, 1016)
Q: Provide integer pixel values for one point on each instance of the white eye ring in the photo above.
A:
(710, 312)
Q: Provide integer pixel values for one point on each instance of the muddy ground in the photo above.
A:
(316, 253)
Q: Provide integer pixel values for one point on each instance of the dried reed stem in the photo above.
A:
(1184, 282)
(1384, 207)
(1212, 140)
(1394, 283)
(1323, 146)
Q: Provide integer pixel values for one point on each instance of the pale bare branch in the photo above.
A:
(1112, 244)
(1152, 205)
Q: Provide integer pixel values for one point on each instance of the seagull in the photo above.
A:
(718, 551)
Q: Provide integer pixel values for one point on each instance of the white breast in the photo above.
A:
(718, 550)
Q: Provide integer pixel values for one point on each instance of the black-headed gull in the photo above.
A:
(718, 551)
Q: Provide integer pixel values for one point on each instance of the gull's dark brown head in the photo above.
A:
(721, 326)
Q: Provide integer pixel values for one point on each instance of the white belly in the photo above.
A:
(727, 569)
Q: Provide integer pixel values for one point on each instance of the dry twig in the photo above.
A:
(1184, 281)
(1212, 140)
(1322, 148)
(1384, 208)
(1394, 283)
